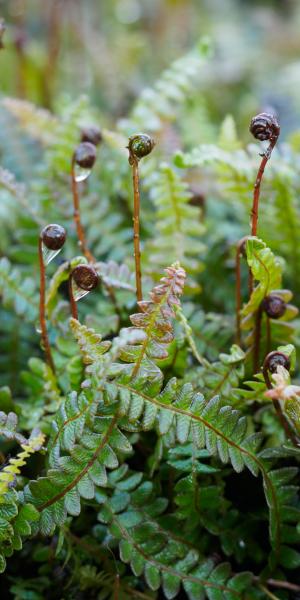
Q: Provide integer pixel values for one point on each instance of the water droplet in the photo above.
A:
(78, 292)
(37, 327)
(49, 255)
(81, 173)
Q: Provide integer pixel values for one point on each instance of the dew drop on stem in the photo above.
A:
(53, 237)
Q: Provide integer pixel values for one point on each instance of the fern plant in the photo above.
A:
(160, 445)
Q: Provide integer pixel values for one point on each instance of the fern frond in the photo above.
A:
(163, 102)
(287, 511)
(8, 426)
(178, 227)
(115, 275)
(267, 271)
(17, 291)
(19, 193)
(90, 343)
(153, 324)
(133, 514)
(223, 376)
(12, 469)
(74, 475)
(38, 122)
(15, 522)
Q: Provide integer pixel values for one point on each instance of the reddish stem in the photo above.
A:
(269, 334)
(43, 325)
(73, 304)
(76, 214)
(257, 332)
(136, 227)
(81, 235)
(238, 289)
(256, 193)
(265, 157)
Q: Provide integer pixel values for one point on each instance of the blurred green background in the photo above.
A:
(112, 49)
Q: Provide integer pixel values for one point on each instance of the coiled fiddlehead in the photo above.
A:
(82, 280)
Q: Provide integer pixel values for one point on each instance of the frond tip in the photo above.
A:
(12, 469)
(154, 320)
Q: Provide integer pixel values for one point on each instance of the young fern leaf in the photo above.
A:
(267, 271)
(12, 469)
(133, 514)
(90, 343)
(153, 325)
(60, 275)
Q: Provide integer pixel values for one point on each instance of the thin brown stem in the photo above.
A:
(42, 311)
(284, 422)
(136, 228)
(76, 214)
(256, 194)
(73, 304)
(238, 297)
(116, 587)
(81, 235)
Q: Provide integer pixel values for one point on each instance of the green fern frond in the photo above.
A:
(287, 510)
(38, 122)
(115, 275)
(163, 102)
(178, 227)
(133, 514)
(15, 522)
(90, 343)
(12, 469)
(18, 291)
(74, 475)
(153, 325)
(8, 426)
(223, 376)
(266, 270)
